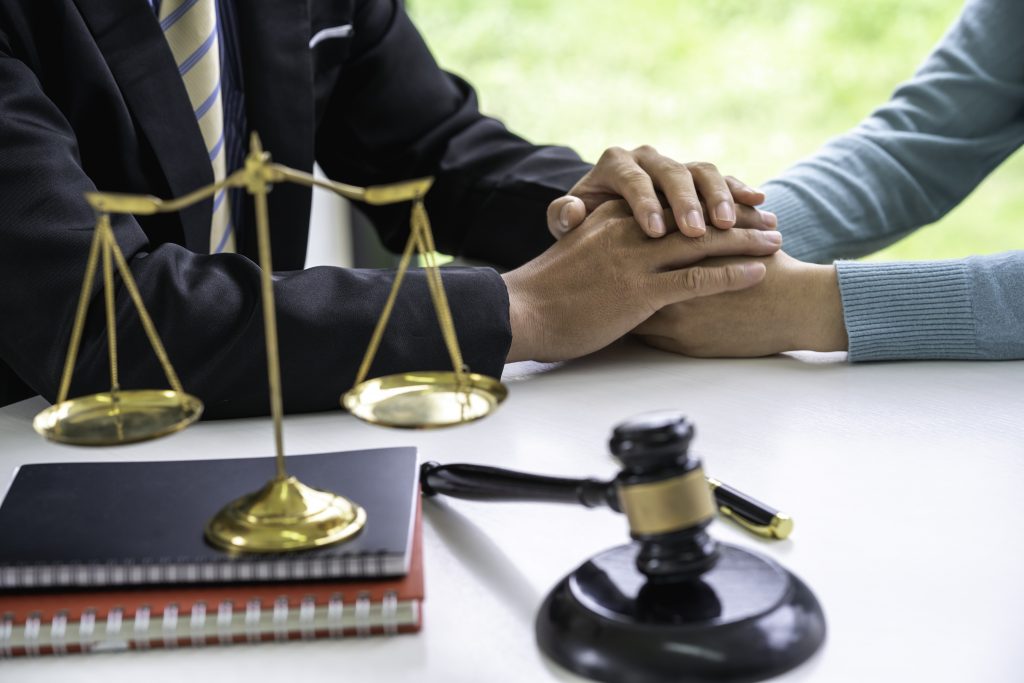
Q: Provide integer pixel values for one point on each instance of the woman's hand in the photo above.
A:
(796, 306)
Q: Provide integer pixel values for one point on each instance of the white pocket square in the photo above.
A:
(329, 33)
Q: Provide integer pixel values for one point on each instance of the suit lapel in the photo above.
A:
(278, 75)
(134, 47)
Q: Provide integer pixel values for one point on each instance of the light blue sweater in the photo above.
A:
(905, 166)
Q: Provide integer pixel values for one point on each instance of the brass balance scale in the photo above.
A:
(285, 514)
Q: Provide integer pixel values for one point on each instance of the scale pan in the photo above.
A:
(424, 400)
(102, 420)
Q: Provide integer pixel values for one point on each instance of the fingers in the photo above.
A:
(681, 188)
(746, 199)
(717, 195)
(743, 193)
(565, 214)
(695, 281)
(619, 171)
(679, 251)
(688, 186)
(697, 194)
(749, 218)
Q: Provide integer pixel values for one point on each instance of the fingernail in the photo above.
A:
(563, 215)
(769, 218)
(772, 237)
(725, 213)
(753, 271)
(695, 220)
(656, 224)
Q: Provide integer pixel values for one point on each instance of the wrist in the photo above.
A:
(824, 328)
(520, 321)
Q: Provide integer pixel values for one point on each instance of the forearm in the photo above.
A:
(208, 313)
(918, 155)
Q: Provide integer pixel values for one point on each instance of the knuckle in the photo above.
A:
(691, 201)
(751, 238)
(635, 176)
(695, 279)
(611, 154)
(705, 167)
(679, 172)
(646, 150)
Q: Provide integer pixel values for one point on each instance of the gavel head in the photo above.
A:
(664, 495)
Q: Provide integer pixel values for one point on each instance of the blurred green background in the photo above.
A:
(752, 86)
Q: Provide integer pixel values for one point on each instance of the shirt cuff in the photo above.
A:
(908, 310)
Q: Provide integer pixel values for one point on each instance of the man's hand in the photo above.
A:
(696, 192)
(797, 306)
(606, 277)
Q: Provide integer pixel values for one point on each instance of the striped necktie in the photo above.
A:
(190, 27)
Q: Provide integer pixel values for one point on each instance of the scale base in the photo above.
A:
(745, 619)
(285, 515)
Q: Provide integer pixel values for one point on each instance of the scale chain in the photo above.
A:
(80, 313)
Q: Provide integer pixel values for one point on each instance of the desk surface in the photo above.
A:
(904, 480)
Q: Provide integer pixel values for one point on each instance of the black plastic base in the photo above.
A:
(746, 619)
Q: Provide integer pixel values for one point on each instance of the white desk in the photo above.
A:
(905, 482)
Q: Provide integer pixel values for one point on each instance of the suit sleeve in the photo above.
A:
(395, 114)
(905, 166)
(207, 308)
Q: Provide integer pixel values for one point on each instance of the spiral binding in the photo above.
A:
(177, 571)
(223, 623)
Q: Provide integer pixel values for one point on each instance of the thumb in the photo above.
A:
(565, 214)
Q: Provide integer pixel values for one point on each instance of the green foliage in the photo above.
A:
(751, 86)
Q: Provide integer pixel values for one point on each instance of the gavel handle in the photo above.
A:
(480, 482)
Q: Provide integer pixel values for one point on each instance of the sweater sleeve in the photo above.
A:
(906, 166)
(968, 309)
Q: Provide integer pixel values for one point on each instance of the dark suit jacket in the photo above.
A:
(90, 98)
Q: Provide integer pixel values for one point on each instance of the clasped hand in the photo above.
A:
(795, 305)
(606, 276)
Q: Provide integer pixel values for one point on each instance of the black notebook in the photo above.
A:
(139, 523)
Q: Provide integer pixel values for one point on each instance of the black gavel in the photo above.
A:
(481, 482)
(657, 609)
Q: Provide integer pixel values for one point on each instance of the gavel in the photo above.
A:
(657, 609)
(481, 482)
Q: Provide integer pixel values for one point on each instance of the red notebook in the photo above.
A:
(48, 622)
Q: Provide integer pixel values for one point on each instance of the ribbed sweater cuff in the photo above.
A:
(907, 311)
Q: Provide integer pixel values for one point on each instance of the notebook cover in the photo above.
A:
(141, 523)
(362, 607)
